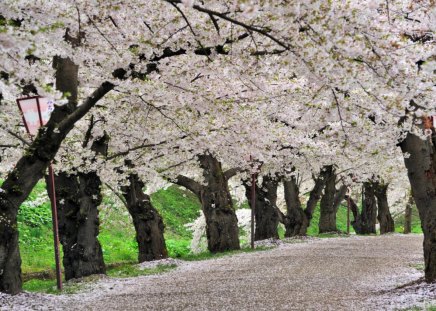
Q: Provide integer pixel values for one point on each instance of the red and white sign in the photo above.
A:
(36, 112)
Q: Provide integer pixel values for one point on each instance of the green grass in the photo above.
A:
(177, 207)
(132, 270)
(416, 223)
(72, 287)
(341, 221)
(49, 286)
(117, 235)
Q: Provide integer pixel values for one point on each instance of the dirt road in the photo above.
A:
(357, 273)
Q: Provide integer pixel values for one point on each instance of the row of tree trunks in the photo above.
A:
(298, 220)
(222, 229)
(149, 226)
(266, 211)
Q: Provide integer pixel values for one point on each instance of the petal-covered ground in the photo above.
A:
(356, 273)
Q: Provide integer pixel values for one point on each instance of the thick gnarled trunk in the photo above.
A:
(222, 229)
(221, 222)
(78, 197)
(31, 168)
(366, 221)
(327, 219)
(20, 182)
(266, 214)
(384, 215)
(421, 169)
(148, 223)
(297, 220)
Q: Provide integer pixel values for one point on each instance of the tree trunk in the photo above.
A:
(384, 215)
(327, 219)
(221, 222)
(408, 216)
(222, 229)
(266, 216)
(295, 220)
(421, 169)
(78, 197)
(365, 222)
(29, 170)
(148, 223)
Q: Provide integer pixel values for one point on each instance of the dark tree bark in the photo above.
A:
(27, 172)
(295, 221)
(384, 215)
(298, 220)
(365, 222)
(421, 169)
(327, 219)
(408, 216)
(148, 223)
(266, 215)
(354, 210)
(78, 197)
(221, 222)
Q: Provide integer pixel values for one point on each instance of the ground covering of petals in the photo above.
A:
(355, 273)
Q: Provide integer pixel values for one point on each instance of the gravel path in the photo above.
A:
(356, 273)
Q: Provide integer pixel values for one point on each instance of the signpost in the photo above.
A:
(36, 112)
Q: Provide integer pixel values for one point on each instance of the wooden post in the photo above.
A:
(348, 211)
(253, 206)
(54, 215)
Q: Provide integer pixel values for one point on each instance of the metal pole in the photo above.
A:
(54, 213)
(348, 212)
(51, 187)
(253, 206)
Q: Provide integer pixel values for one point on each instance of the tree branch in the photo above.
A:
(232, 172)
(189, 184)
(236, 22)
(81, 110)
